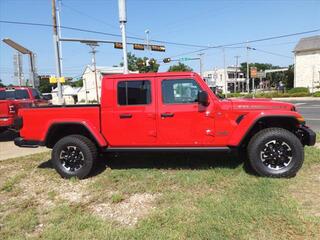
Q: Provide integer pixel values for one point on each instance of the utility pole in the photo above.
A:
(147, 31)
(123, 20)
(59, 35)
(247, 77)
(236, 77)
(225, 73)
(201, 63)
(93, 52)
(56, 49)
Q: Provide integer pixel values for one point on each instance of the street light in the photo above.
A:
(24, 50)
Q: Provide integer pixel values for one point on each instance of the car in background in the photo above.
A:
(13, 98)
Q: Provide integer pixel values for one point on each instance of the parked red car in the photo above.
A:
(14, 98)
(167, 112)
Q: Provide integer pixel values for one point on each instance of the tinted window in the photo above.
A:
(134, 92)
(14, 94)
(180, 91)
(2, 95)
(36, 94)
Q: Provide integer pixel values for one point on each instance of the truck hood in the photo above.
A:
(260, 104)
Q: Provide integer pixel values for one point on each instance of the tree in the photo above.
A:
(286, 77)
(77, 83)
(142, 65)
(1, 84)
(44, 85)
(180, 67)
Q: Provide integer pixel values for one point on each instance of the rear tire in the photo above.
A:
(275, 152)
(74, 156)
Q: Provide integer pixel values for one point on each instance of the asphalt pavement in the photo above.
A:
(310, 110)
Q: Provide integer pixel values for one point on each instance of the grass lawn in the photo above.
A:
(176, 196)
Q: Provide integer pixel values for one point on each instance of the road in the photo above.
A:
(310, 110)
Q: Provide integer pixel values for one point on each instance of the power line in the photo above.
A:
(246, 42)
(99, 32)
(272, 53)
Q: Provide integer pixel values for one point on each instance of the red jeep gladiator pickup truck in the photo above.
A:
(13, 98)
(167, 112)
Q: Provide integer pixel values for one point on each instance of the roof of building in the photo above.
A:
(106, 70)
(308, 44)
(68, 90)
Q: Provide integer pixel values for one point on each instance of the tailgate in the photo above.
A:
(4, 109)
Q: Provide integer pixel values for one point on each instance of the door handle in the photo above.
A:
(165, 115)
(125, 115)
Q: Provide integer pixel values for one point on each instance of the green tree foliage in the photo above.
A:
(77, 83)
(45, 86)
(140, 64)
(1, 83)
(180, 67)
(286, 77)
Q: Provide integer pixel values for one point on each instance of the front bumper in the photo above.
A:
(306, 135)
(20, 142)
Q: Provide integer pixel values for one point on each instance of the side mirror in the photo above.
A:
(203, 98)
(47, 97)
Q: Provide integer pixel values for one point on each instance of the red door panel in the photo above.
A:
(132, 121)
(181, 120)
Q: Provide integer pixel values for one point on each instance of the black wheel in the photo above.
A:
(74, 156)
(275, 152)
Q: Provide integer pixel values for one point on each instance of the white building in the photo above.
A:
(69, 95)
(88, 92)
(307, 63)
(218, 77)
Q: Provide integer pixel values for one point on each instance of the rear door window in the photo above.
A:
(134, 92)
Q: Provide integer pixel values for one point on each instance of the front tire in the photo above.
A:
(74, 156)
(275, 152)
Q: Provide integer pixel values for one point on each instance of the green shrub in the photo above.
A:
(299, 90)
(316, 94)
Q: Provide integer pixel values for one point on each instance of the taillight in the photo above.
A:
(12, 109)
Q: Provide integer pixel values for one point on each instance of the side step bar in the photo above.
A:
(167, 149)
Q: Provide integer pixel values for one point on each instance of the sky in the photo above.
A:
(197, 22)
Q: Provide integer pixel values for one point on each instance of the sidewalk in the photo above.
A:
(297, 99)
(9, 150)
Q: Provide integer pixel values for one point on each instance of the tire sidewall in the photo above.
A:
(259, 144)
(88, 158)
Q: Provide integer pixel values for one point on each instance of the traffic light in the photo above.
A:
(152, 61)
(167, 60)
(118, 45)
(158, 48)
(137, 46)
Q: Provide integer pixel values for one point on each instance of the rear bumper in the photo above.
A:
(6, 121)
(306, 135)
(20, 142)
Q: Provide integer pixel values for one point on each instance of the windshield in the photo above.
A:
(14, 94)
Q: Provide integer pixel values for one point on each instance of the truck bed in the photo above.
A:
(40, 119)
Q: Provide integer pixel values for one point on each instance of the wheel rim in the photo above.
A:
(276, 154)
(71, 158)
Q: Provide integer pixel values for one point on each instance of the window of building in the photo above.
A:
(180, 91)
(134, 92)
